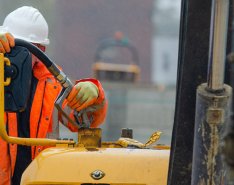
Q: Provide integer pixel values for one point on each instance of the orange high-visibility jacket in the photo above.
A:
(41, 119)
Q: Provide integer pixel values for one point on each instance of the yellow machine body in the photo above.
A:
(120, 166)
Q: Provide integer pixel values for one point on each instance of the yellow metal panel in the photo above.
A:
(2, 125)
(121, 166)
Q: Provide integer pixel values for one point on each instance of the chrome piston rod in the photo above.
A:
(218, 37)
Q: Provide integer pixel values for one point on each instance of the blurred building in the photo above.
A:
(82, 25)
(77, 27)
(165, 19)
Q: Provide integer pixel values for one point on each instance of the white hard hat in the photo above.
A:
(27, 23)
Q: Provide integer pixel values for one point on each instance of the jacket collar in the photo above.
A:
(40, 71)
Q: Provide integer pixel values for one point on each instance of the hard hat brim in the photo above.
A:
(43, 42)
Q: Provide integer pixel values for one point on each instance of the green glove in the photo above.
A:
(83, 95)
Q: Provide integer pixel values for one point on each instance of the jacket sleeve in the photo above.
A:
(98, 110)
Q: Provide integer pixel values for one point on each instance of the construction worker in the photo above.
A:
(40, 119)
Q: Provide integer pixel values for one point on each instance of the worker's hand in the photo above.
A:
(82, 95)
(6, 42)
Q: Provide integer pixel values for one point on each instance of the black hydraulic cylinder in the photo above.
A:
(212, 112)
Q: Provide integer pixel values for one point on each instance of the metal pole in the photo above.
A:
(192, 71)
(218, 37)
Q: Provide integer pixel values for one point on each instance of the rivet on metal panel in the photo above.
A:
(97, 174)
